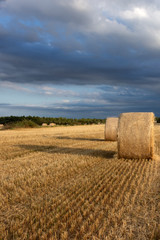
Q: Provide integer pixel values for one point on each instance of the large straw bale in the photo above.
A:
(136, 135)
(1, 126)
(111, 129)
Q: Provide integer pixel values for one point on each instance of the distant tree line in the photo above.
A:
(39, 120)
(58, 121)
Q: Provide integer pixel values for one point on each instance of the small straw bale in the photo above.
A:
(111, 129)
(1, 126)
(44, 125)
(52, 124)
(136, 135)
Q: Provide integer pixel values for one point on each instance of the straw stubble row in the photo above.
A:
(71, 195)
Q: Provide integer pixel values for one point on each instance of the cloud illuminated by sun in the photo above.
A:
(135, 13)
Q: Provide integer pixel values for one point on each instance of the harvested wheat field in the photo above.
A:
(67, 183)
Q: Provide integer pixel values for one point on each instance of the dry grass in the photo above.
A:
(67, 183)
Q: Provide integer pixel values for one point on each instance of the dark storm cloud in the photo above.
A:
(26, 62)
(4, 105)
(77, 43)
(63, 11)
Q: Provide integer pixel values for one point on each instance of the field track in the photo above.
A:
(67, 183)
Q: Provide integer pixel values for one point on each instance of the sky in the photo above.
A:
(79, 58)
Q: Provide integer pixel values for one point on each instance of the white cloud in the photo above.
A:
(81, 5)
(48, 93)
(47, 90)
(135, 13)
(66, 101)
(14, 86)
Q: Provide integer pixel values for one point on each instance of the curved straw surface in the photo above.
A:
(111, 129)
(136, 135)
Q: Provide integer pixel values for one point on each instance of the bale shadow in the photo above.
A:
(66, 150)
(82, 139)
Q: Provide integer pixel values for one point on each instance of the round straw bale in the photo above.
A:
(52, 124)
(44, 125)
(136, 135)
(1, 126)
(111, 129)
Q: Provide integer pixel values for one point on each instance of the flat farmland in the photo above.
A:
(67, 183)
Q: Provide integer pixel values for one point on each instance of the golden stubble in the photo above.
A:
(67, 183)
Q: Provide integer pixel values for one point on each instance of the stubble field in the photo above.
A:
(67, 183)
